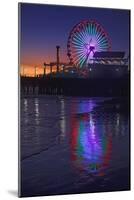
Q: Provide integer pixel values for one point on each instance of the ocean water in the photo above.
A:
(73, 145)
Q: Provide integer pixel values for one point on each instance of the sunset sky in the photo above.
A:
(42, 27)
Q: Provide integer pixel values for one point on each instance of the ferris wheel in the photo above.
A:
(85, 38)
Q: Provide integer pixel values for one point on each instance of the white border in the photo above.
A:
(9, 96)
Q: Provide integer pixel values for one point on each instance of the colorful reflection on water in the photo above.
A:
(69, 145)
(91, 147)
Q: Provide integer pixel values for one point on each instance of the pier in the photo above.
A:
(74, 86)
(107, 74)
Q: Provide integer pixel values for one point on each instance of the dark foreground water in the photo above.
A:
(73, 145)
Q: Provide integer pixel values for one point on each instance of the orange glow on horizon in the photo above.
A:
(32, 70)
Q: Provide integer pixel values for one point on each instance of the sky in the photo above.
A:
(42, 27)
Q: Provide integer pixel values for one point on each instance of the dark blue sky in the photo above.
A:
(44, 26)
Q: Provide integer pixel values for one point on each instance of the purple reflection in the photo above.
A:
(91, 150)
(89, 147)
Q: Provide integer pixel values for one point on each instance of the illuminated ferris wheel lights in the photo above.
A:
(85, 38)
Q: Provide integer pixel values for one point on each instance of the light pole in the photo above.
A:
(51, 65)
(35, 72)
(58, 58)
(44, 68)
(23, 71)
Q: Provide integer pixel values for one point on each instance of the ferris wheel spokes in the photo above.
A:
(84, 40)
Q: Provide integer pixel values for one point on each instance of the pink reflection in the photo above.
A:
(90, 148)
